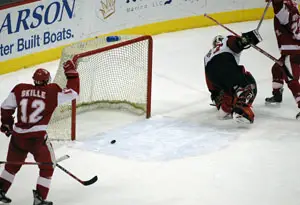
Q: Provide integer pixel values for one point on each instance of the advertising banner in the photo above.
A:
(36, 26)
(47, 24)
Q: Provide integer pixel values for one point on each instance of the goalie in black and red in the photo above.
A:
(233, 89)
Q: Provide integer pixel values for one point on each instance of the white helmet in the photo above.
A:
(217, 40)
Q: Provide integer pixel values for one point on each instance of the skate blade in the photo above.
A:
(5, 202)
(272, 104)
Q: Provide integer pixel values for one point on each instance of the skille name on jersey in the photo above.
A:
(34, 93)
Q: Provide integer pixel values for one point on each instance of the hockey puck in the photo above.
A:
(113, 142)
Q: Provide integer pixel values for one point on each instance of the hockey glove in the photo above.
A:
(6, 129)
(70, 70)
(250, 38)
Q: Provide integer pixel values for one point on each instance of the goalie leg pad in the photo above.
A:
(243, 114)
(225, 111)
(242, 111)
(245, 95)
(227, 103)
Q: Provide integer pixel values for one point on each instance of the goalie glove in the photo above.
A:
(249, 38)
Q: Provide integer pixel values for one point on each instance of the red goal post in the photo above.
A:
(114, 75)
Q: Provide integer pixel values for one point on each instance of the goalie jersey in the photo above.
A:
(225, 48)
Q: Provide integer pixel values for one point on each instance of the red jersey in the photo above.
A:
(287, 27)
(35, 106)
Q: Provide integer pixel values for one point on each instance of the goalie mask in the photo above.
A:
(217, 40)
(41, 77)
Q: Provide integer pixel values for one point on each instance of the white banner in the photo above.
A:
(48, 24)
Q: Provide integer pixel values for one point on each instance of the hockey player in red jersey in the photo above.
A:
(233, 89)
(287, 30)
(35, 105)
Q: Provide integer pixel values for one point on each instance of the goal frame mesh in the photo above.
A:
(110, 47)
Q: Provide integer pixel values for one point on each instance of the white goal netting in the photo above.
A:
(115, 75)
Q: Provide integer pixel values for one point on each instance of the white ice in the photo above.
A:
(183, 155)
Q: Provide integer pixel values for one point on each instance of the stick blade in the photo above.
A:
(91, 181)
(64, 157)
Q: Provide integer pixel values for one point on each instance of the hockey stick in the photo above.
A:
(253, 46)
(264, 14)
(85, 183)
(36, 163)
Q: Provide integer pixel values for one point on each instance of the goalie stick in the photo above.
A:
(253, 46)
(36, 163)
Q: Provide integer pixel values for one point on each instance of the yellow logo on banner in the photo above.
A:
(108, 8)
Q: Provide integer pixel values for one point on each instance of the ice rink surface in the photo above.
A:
(183, 155)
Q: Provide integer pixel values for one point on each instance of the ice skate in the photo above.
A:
(240, 119)
(4, 199)
(38, 199)
(243, 114)
(298, 116)
(276, 99)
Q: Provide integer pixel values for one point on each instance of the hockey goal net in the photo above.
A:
(113, 75)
